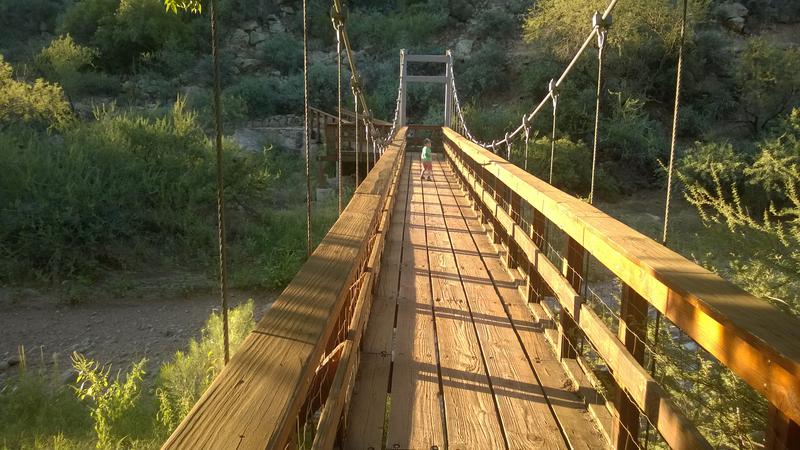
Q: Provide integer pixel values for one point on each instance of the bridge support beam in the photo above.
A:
(573, 271)
(632, 331)
(782, 433)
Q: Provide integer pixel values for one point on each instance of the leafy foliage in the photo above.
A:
(109, 400)
(41, 104)
(769, 82)
(760, 200)
(182, 381)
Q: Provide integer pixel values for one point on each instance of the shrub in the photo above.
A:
(116, 186)
(182, 381)
(36, 404)
(496, 23)
(64, 56)
(267, 95)
(486, 70)
(632, 142)
(109, 400)
(769, 82)
(83, 18)
(283, 52)
(41, 104)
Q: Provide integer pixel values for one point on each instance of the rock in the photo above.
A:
(247, 64)
(239, 39)
(463, 48)
(287, 10)
(461, 10)
(732, 15)
(13, 361)
(167, 333)
(275, 25)
(250, 25)
(258, 36)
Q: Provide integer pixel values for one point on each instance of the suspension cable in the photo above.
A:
(306, 145)
(601, 25)
(553, 95)
(609, 9)
(221, 238)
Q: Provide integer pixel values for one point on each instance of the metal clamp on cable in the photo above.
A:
(355, 85)
(553, 89)
(338, 18)
(602, 26)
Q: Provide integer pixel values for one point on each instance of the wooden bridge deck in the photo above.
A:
(452, 357)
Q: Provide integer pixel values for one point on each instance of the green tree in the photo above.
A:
(768, 81)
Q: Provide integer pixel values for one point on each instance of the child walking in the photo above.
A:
(427, 162)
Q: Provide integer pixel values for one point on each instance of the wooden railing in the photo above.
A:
(302, 357)
(548, 236)
(349, 131)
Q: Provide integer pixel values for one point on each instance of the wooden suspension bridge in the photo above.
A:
(446, 314)
(463, 312)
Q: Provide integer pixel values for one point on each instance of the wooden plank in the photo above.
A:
(632, 332)
(415, 416)
(754, 339)
(526, 417)
(470, 410)
(367, 410)
(579, 429)
(427, 58)
(276, 362)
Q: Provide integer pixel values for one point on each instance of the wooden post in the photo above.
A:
(514, 210)
(496, 192)
(782, 433)
(632, 327)
(573, 271)
(536, 285)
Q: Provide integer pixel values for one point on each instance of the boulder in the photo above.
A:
(258, 36)
(247, 64)
(275, 25)
(239, 38)
(461, 10)
(250, 25)
(732, 15)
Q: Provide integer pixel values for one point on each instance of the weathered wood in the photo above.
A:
(677, 430)
(579, 429)
(470, 410)
(526, 417)
(366, 423)
(632, 332)
(782, 432)
(275, 364)
(572, 270)
(755, 340)
(415, 417)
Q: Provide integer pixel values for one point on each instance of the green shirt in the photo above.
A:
(426, 153)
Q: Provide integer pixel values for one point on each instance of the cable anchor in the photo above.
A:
(602, 25)
(553, 90)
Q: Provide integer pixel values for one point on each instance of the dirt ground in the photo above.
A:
(118, 322)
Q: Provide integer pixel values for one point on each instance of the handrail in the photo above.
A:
(756, 341)
(258, 399)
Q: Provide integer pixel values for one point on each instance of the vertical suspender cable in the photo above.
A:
(306, 145)
(366, 146)
(602, 31)
(223, 250)
(355, 125)
(670, 168)
(337, 25)
(527, 130)
(675, 112)
(554, 96)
